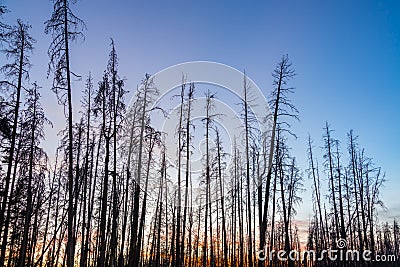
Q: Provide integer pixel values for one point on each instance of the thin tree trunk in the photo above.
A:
(178, 215)
(12, 148)
(246, 123)
(263, 227)
(224, 241)
(134, 229)
(71, 235)
(143, 212)
(353, 161)
(315, 176)
(331, 178)
(187, 171)
(29, 203)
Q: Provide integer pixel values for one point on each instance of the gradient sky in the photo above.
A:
(346, 55)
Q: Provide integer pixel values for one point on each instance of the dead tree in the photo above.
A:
(329, 165)
(314, 174)
(281, 106)
(188, 137)
(64, 27)
(145, 94)
(34, 119)
(17, 71)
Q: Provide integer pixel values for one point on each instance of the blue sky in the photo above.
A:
(346, 54)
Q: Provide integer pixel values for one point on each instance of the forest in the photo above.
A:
(112, 196)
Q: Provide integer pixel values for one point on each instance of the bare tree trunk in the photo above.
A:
(235, 204)
(208, 120)
(338, 168)
(29, 202)
(128, 179)
(106, 132)
(172, 248)
(353, 161)
(350, 225)
(272, 238)
(221, 187)
(143, 212)
(187, 171)
(117, 92)
(71, 235)
(45, 246)
(281, 74)
(246, 123)
(328, 147)
(56, 219)
(178, 214)
(103, 216)
(134, 228)
(163, 175)
(315, 175)
(190, 225)
(12, 145)
(285, 200)
(241, 216)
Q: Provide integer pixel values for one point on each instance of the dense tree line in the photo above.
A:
(109, 199)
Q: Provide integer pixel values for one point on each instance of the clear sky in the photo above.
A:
(346, 55)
